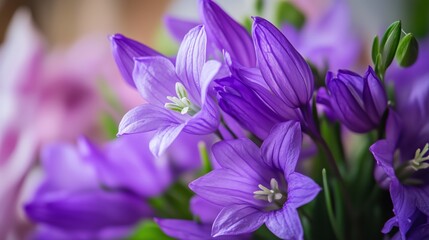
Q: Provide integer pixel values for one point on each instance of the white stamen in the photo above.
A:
(419, 161)
(181, 102)
(270, 195)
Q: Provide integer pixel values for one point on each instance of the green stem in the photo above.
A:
(329, 206)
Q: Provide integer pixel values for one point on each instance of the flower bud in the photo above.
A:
(389, 43)
(408, 51)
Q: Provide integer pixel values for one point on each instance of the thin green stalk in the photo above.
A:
(329, 206)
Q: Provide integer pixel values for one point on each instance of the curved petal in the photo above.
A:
(145, 118)
(237, 219)
(285, 71)
(282, 147)
(285, 223)
(225, 187)
(244, 158)
(155, 79)
(124, 51)
(205, 211)
(190, 61)
(206, 121)
(383, 153)
(209, 71)
(164, 137)
(301, 190)
(227, 34)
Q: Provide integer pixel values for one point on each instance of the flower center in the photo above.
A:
(181, 102)
(273, 195)
(405, 171)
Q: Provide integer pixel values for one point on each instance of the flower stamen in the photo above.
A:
(271, 195)
(181, 102)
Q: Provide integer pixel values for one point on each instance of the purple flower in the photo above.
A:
(357, 102)
(71, 199)
(124, 51)
(284, 70)
(403, 155)
(176, 96)
(257, 186)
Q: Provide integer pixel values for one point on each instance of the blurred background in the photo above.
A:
(58, 79)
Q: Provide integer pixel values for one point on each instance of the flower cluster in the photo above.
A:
(254, 101)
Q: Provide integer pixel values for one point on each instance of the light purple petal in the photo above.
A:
(185, 229)
(237, 219)
(285, 223)
(282, 147)
(145, 118)
(206, 121)
(155, 79)
(124, 51)
(164, 137)
(301, 190)
(383, 153)
(227, 34)
(209, 71)
(225, 187)
(190, 61)
(178, 27)
(244, 158)
(285, 71)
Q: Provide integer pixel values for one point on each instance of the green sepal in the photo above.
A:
(389, 43)
(375, 49)
(408, 51)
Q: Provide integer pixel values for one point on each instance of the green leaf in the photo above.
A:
(148, 230)
(389, 43)
(205, 160)
(408, 51)
(375, 49)
(287, 12)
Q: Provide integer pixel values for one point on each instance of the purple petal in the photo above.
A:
(237, 219)
(125, 160)
(155, 79)
(383, 153)
(206, 121)
(227, 34)
(185, 229)
(190, 61)
(285, 223)
(209, 71)
(301, 190)
(124, 51)
(145, 118)
(178, 27)
(244, 158)
(374, 96)
(403, 206)
(422, 196)
(206, 211)
(92, 210)
(164, 137)
(282, 147)
(63, 158)
(225, 187)
(393, 222)
(284, 70)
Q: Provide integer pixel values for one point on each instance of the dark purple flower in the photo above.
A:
(284, 70)
(257, 186)
(176, 96)
(124, 51)
(357, 102)
(71, 199)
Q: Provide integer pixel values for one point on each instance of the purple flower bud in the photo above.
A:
(357, 102)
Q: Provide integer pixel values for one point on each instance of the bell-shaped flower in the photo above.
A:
(257, 186)
(357, 102)
(176, 96)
